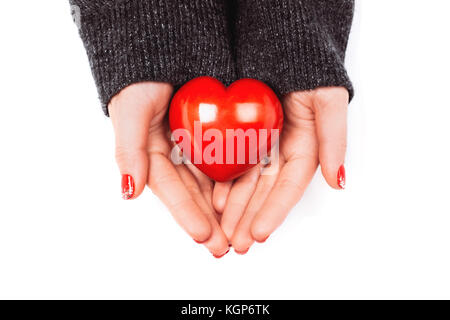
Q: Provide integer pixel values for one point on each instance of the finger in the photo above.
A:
(220, 195)
(131, 131)
(131, 116)
(242, 238)
(330, 106)
(294, 177)
(238, 199)
(204, 182)
(167, 185)
(217, 243)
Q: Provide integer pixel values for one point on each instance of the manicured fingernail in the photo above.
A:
(127, 187)
(221, 256)
(241, 252)
(199, 242)
(341, 177)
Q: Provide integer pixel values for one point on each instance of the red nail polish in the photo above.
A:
(127, 187)
(242, 252)
(199, 242)
(341, 177)
(218, 257)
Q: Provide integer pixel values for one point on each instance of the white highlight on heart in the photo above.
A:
(247, 112)
(207, 112)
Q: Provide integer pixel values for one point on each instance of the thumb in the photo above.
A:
(220, 195)
(330, 106)
(131, 115)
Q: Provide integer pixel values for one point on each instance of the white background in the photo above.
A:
(66, 233)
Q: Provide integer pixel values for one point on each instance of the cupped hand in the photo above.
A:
(314, 133)
(143, 153)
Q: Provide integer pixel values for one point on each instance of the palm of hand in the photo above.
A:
(186, 191)
(314, 131)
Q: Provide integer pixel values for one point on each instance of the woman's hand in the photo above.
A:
(255, 204)
(143, 153)
(315, 130)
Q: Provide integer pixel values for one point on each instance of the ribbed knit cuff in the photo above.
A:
(294, 44)
(154, 40)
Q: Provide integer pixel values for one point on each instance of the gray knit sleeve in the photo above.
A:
(129, 41)
(294, 44)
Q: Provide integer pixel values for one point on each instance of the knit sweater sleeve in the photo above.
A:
(294, 44)
(129, 41)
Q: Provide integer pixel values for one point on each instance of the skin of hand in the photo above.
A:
(143, 150)
(315, 132)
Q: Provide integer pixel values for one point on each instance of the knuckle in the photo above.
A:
(156, 184)
(125, 155)
(288, 184)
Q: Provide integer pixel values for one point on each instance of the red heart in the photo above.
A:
(221, 130)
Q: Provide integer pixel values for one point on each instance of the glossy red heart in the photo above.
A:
(225, 131)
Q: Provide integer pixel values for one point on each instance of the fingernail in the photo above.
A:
(127, 187)
(199, 242)
(341, 177)
(218, 257)
(262, 241)
(241, 252)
